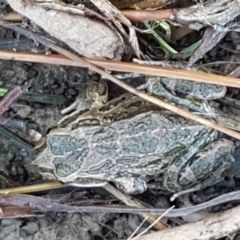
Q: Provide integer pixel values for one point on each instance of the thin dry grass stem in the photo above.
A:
(216, 226)
(135, 238)
(124, 67)
(13, 17)
(132, 15)
(134, 232)
(134, 203)
(31, 188)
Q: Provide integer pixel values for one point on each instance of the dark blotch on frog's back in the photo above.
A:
(142, 144)
(70, 163)
(60, 144)
(105, 141)
(128, 161)
(145, 125)
(102, 168)
(106, 134)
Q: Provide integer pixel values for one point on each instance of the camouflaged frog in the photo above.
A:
(129, 141)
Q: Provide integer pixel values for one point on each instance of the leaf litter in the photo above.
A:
(205, 16)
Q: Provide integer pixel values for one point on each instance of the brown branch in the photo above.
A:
(143, 15)
(9, 211)
(123, 67)
(132, 15)
(121, 4)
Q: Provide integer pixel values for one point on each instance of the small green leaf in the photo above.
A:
(187, 52)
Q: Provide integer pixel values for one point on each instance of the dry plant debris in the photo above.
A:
(147, 97)
(215, 226)
(143, 4)
(50, 204)
(86, 36)
(118, 19)
(195, 17)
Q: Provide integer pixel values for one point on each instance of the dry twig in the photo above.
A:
(47, 204)
(124, 67)
(213, 12)
(16, 212)
(134, 203)
(31, 188)
(158, 219)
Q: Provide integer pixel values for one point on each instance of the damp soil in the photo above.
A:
(65, 84)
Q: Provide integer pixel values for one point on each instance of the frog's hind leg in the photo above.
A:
(194, 90)
(202, 170)
(167, 89)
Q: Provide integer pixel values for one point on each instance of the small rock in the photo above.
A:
(120, 225)
(30, 227)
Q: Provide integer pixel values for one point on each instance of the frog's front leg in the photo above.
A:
(130, 185)
(197, 170)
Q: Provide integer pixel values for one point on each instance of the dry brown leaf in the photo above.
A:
(111, 12)
(84, 35)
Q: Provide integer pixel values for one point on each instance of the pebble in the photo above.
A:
(52, 81)
(20, 81)
(32, 73)
(59, 91)
(14, 80)
(72, 92)
(54, 86)
(30, 228)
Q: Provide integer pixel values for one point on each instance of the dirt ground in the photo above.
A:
(66, 83)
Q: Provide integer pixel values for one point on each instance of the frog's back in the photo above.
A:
(144, 144)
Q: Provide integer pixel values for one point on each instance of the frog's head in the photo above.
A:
(97, 93)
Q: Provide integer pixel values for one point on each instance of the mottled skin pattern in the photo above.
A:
(192, 95)
(127, 150)
(189, 89)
